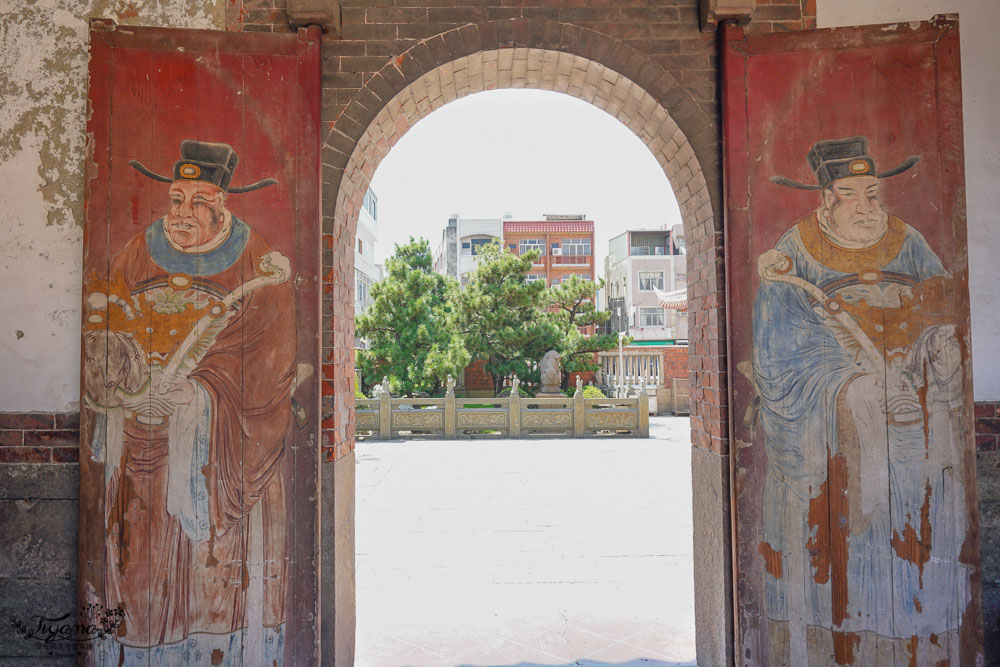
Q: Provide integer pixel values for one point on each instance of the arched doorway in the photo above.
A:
(662, 114)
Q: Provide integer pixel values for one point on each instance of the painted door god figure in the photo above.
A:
(190, 363)
(858, 370)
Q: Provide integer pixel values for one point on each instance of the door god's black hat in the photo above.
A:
(204, 161)
(833, 159)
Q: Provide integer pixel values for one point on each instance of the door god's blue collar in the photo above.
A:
(207, 263)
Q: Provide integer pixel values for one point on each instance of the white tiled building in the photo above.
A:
(366, 271)
(456, 256)
(642, 267)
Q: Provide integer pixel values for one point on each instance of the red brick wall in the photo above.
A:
(586, 376)
(988, 426)
(257, 16)
(675, 363)
(476, 377)
(783, 15)
(36, 437)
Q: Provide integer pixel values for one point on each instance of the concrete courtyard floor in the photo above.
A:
(526, 552)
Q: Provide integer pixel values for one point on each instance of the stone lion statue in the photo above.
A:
(549, 368)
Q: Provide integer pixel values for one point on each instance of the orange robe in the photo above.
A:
(170, 585)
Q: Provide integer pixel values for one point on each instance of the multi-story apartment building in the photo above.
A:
(646, 279)
(566, 244)
(456, 256)
(366, 271)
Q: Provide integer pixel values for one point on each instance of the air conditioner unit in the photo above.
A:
(557, 251)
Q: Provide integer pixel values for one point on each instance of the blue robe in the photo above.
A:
(801, 370)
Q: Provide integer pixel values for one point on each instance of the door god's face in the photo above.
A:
(854, 209)
(196, 213)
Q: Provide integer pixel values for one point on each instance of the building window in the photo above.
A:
(476, 245)
(555, 281)
(650, 280)
(370, 204)
(640, 250)
(362, 289)
(534, 277)
(651, 317)
(576, 247)
(361, 247)
(527, 245)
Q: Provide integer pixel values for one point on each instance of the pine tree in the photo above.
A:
(572, 305)
(500, 318)
(410, 326)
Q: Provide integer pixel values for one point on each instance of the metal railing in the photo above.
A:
(448, 418)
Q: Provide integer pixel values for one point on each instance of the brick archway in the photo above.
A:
(545, 55)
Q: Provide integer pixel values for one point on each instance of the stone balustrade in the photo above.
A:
(448, 418)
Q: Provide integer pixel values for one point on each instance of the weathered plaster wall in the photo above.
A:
(43, 84)
(980, 20)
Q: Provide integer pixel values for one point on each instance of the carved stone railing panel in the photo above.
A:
(385, 418)
(367, 420)
(611, 419)
(417, 420)
(546, 419)
(490, 420)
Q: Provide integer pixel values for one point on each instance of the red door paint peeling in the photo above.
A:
(849, 320)
(915, 549)
(200, 323)
(828, 515)
(772, 559)
(844, 645)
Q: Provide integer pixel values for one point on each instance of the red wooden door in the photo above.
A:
(851, 381)
(199, 453)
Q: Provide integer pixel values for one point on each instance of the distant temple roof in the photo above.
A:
(677, 299)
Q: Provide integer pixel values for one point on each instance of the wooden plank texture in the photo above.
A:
(199, 455)
(851, 385)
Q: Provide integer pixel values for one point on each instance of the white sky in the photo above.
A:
(528, 152)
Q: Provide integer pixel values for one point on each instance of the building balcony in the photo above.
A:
(571, 260)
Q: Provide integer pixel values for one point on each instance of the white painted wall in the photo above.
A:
(979, 25)
(367, 233)
(43, 75)
(468, 228)
(41, 278)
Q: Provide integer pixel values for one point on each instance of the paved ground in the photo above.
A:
(526, 552)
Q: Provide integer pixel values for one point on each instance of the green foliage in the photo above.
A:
(410, 326)
(521, 391)
(573, 305)
(500, 318)
(589, 391)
